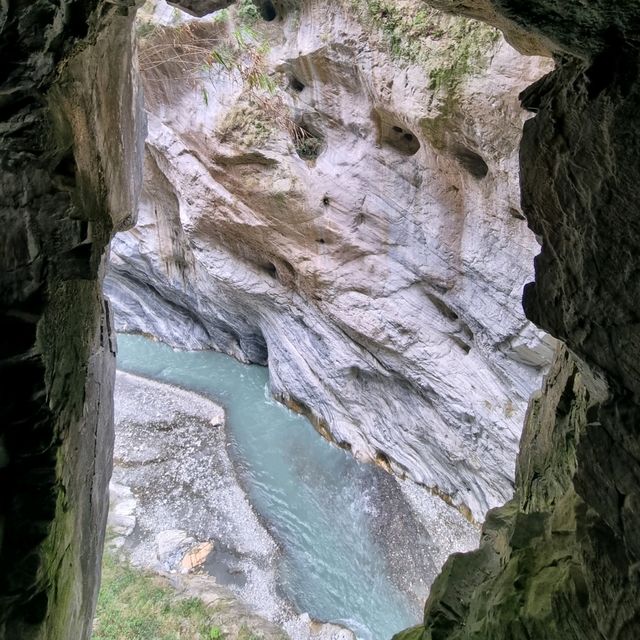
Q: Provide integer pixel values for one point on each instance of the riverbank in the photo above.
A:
(136, 604)
(177, 509)
(351, 543)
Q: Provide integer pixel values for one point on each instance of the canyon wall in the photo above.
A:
(72, 130)
(560, 561)
(336, 194)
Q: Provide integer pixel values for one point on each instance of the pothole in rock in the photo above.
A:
(296, 85)
(471, 161)
(308, 144)
(267, 10)
(396, 136)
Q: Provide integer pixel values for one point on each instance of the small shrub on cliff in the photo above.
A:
(195, 52)
(308, 146)
(448, 47)
(404, 30)
(248, 12)
(247, 124)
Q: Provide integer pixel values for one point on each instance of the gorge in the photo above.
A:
(381, 284)
(332, 539)
(560, 559)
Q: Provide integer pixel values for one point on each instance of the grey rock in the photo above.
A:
(200, 7)
(70, 142)
(382, 289)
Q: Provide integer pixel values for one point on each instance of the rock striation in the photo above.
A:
(561, 560)
(356, 226)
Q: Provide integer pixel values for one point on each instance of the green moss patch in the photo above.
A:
(136, 605)
(449, 48)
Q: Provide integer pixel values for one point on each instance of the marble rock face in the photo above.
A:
(357, 228)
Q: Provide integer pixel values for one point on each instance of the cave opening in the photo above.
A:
(396, 136)
(571, 503)
(296, 84)
(473, 162)
(267, 10)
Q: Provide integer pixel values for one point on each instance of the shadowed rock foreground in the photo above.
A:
(561, 560)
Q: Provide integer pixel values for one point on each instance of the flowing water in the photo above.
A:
(315, 498)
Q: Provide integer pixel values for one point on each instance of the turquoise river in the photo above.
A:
(317, 501)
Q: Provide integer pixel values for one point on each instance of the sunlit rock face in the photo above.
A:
(561, 560)
(358, 228)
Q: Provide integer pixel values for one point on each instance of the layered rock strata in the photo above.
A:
(561, 560)
(356, 227)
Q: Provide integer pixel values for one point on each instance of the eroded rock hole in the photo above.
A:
(471, 161)
(270, 269)
(459, 342)
(398, 137)
(267, 10)
(308, 145)
(382, 459)
(295, 84)
(442, 307)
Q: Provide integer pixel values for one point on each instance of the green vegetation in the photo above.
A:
(194, 50)
(404, 30)
(247, 12)
(308, 146)
(467, 53)
(247, 124)
(244, 633)
(229, 41)
(449, 48)
(136, 605)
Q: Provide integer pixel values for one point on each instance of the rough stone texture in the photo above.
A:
(579, 28)
(201, 7)
(561, 560)
(526, 580)
(381, 280)
(69, 139)
(44, 431)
